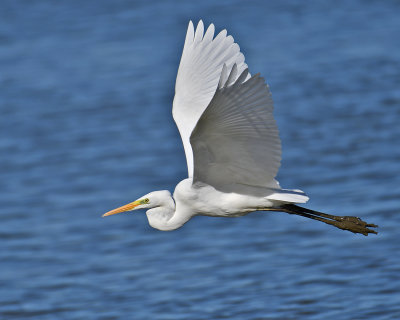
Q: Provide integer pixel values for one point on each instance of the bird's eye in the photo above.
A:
(146, 200)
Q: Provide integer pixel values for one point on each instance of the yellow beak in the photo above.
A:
(127, 207)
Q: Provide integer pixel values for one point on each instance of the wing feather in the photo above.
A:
(199, 71)
(236, 140)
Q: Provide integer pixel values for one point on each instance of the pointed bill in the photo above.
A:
(127, 207)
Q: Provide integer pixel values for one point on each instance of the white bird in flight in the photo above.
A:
(231, 141)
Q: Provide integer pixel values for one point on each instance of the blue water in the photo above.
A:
(85, 100)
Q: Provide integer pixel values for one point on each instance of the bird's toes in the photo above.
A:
(356, 225)
(371, 225)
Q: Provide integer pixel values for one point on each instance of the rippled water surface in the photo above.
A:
(85, 100)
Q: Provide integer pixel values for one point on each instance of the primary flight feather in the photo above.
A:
(231, 142)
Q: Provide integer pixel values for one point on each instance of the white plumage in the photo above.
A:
(199, 72)
(231, 142)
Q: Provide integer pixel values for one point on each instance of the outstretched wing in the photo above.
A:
(236, 140)
(198, 74)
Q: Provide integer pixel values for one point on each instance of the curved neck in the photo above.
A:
(167, 217)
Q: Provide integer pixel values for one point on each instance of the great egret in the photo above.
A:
(231, 142)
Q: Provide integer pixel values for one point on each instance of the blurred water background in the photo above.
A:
(85, 126)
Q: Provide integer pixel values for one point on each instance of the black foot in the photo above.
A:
(354, 224)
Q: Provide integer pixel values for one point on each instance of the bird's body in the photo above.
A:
(191, 199)
(231, 142)
(203, 199)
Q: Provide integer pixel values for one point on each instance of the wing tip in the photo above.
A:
(190, 25)
(242, 77)
(199, 33)
(227, 79)
(189, 33)
(200, 26)
(223, 76)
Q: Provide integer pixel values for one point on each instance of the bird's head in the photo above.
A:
(151, 200)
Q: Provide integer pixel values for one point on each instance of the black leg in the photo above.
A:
(353, 224)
